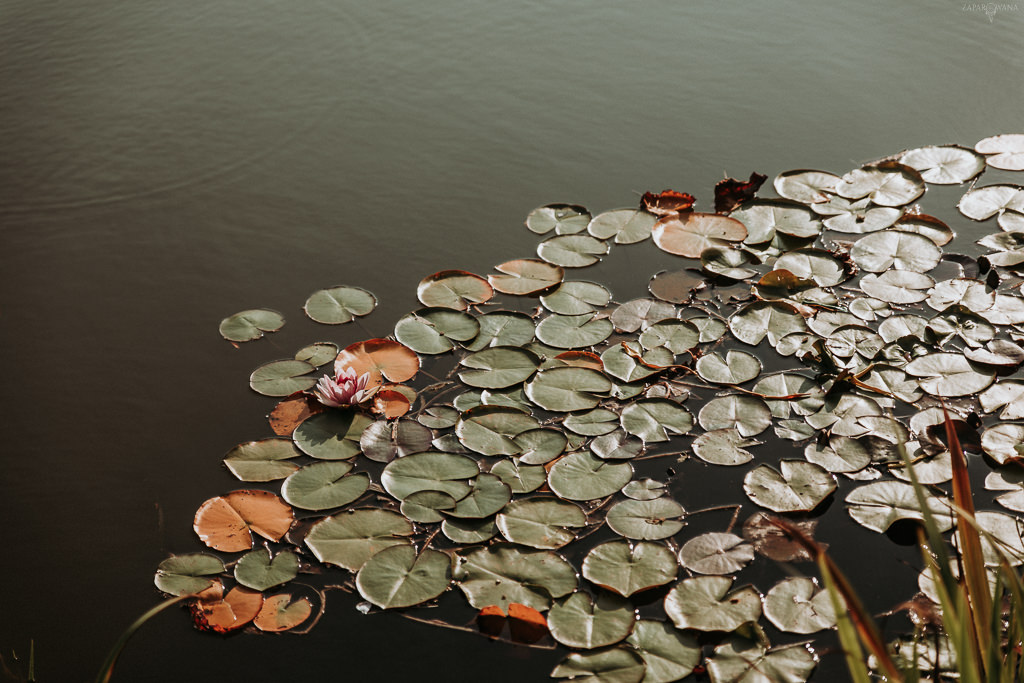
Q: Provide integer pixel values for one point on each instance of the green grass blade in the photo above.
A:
(107, 670)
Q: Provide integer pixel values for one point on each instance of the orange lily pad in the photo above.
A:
(582, 359)
(280, 613)
(382, 358)
(291, 412)
(526, 625)
(390, 403)
(226, 522)
(688, 234)
(227, 613)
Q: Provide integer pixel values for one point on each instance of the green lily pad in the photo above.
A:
(878, 504)
(333, 435)
(736, 367)
(581, 622)
(945, 165)
(523, 277)
(576, 298)
(426, 507)
(541, 522)
(400, 577)
(249, 325)
(738, 660)
(678, 336)
(384, 440)
(540, 446)
(282, 377)
(627, 226)
(487, 495)
(583, 476)
(567, 389)
(797, 486)
(500, 574)
(520, 477)
(748, 415)
(621, 365)
(885, 184)
(564, 219)
(773, 319)
(324, 485)
(723, 447)
(797, 605)
(502, 328)
(949, 374)
(430, 471)
(348, 539)
(318, 353)
(573, 331)
(593, 422)
(611, 665)
(648, 520)
(705, 603)
(628, 568)
(339, 304)
(880, 251)
(653, 419)
(490, 430)
(616, 445)
(435, 330)
(716, 553)
(455, 289)
(469, 531)
(499, 367)
(669, 654)
(259, 571)
(764, 217)
(572, 251)
(187, 574)
(641, 313)
(264, 460)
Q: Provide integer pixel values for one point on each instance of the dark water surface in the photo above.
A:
(164, 164)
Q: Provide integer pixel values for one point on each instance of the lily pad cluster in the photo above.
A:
(531, 473)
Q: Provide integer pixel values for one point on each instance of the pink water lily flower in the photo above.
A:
(344, 390)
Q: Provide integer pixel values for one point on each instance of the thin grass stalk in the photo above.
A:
(107, 670)
(970, 555)
(848, 637)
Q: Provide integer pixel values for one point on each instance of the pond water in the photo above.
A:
(167, 164)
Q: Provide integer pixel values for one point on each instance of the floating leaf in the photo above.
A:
(350, 538)
(648, 520)
(523, 277)
(764, 217)
(324, 485)
(628, 363)
(627, 226)
(716, 553)
(641, 314)
(520, 477)
(772, 542)
(400, 577)
(572, 251)
(678, 336)
(741, 661)
(581, 622)
(949, 374)
(502, 328)
(490, 430)
(616, 445)
(185, 574)
(797, 605)
(259, 571)
(426, 506)
(982, 203)
(689, 234)
(1001, 442)
(653, 419)
(293, 411)
(281, 612)
(225, 522)
(391, 360)
(946, 165)
(628, 568)
(897, 286)
(736, 368)
(669, 655)
(430, 471)
(748, 415)
(885, 184)
(282, 377)
(568, 389)
(501, 574)
(236, 609)
(730, 263)
(487, 495)
(541, 522)
(383, 441)
(723, 447)
(676, 287)
(499, 367)
(438, 417)
(583, 476)
(576, 298)
(540, 446)
(564, 219)
(339, 304)
(705, 603)
(435, 330)
(249, 325)
(456, 289)
(1003, 151)
(573, 331)
(879, 504)
(319, 353)
(333, 435)
(773, 319)
(468, 531)
(264, 460)
(796, 486)
(881, 251)
(613, 665)
(806, 186)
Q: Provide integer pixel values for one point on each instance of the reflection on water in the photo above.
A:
(165, 164)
